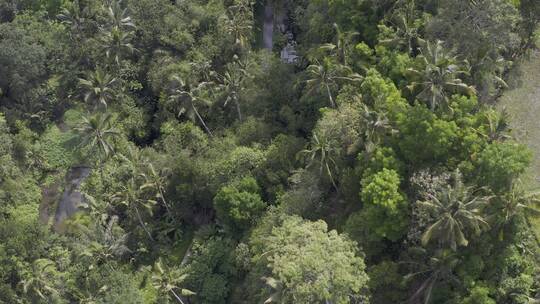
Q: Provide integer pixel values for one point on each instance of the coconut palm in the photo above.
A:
(105, 242)
(76, 17)
(97, 133)
(232, 83)
(517, 202)
(322, 152)
(39, 282)
(119, 18)
(457, 213)
(130, 196)
(439, 77)
(325, 77)
(431, 271)
(375, 125)
(341, 46)
(188, 99)
(495, 127)
(116, 43)
(156, 181)
(239, 22)
(98, 88)
(167, 281)
(407, 32)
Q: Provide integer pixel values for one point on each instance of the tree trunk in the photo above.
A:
(330, 96)
(238, 110)
(142, 223)
(177, 297)
(202, 121)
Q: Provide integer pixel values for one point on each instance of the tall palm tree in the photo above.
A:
(104, 242)
(438, 268)
(342, 44)
(232, 83)
(325, 77)
(119, 18)
(439, 77)
(76, 16)
(495, 127)
(39, 282)
(97, 133)
(517, 202)
(116, 43)
(167, 282)
(239, 22)
(98, 88)
(375, 125)
(407, 32)
(188, 99)
(457, 213)
(322, 152)
(130, 196)
(155, 180)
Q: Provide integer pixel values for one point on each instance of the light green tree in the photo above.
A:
(385, 207)
(306, 263)
(239, 204)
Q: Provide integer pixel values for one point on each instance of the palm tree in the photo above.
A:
(341, 46)
(277, 290)
(232, 83)
(76, 17)
(119, 18)
(104, 242)
(439, 77)
(155, 180)
(407, 32)
(130, 196)
(39, 282)
(98, 88)
(322, 151)
(239, 22)
(375, 126)
(437, 269)
(517, 202)
(188, 99)
(167, 282)
(496, 128)
(97, 132)
(324, 77)
(456, 212)
(115, 43)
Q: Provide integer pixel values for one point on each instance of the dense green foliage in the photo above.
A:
(205, 169)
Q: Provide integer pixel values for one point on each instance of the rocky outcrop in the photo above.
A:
(72, 197)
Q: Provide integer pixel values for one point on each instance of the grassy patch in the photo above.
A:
(522, 102)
